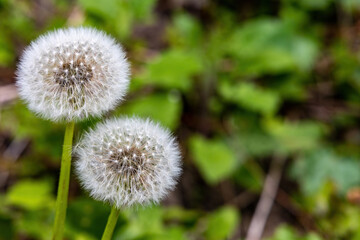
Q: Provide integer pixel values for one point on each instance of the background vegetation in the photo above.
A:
(256, 91)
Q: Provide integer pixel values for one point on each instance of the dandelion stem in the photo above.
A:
(63, 189)
(111, 223)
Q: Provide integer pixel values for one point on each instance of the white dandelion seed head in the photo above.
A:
(71, 74)
(128, 161)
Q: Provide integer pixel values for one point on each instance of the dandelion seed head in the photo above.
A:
(71, 74)
(124, 172)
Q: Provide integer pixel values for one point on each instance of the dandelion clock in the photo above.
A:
(72, 74)
(128, 161)
(69, 75)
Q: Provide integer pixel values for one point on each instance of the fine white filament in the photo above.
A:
(128, 161)
(71, 74)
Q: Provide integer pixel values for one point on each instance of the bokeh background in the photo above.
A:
(263, 96)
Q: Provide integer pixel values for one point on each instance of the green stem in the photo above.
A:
(111, 223)
(63, 189)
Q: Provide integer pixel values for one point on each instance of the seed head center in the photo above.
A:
(73, 73)
(127, 160)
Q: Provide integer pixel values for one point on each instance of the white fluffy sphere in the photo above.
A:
(128, 161)
(73, 73)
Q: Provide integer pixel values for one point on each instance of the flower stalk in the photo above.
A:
(63, 188)
(111, 223)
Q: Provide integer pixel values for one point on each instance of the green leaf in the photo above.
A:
(178, 214)
(318, 167)
(214, 158)
(6, 50)
(105, 8)
(36, 224)
(173, 69)
(279, 49)
(346, 222)
(171, 232)
(31, 194)
(256, 143)
(294, 136)
(250, 176)
(186, 31)
(251, 97)
(122, 23)
(285, 232)
(249, 137)
(86, 215)
(142, 9)
(292, 87)
(143, 222)
(165, 108)
(319, 4)
(346, 66)
(222, 223)
(350, 5)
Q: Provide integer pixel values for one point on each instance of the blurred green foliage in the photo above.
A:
(214, 159)
(287, 233)
(239, 82)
